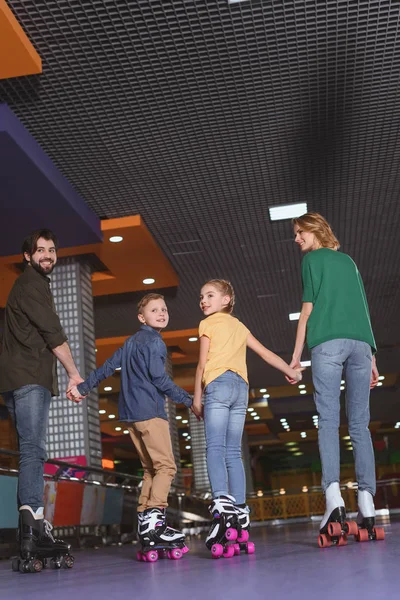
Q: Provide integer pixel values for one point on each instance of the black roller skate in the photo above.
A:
(37, 544)
(224, 527)
(157, 539)
(335, 528)
(366, 519)
(242, 542)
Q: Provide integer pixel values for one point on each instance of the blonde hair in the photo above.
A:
(226, 289)
(146, 299)
(316, 224)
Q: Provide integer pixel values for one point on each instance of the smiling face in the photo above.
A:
(306, 240)
(155, 314)
(212, 300)
(44, 258)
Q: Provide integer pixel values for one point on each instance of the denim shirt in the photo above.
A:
(144, 382)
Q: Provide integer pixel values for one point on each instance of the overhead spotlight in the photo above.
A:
(118, 428)
(257, 418)
(118, 369)
(341, 388)
(266, 396)
(263, 390)
(111, 416)
(116, 239)
(287, 211)
(102, 411)
(126, 431)
(185, 421)
(294, 316)
(305, 363)
(283, 420)
(188, 447)
(193, 339)
(381, 377)
(301, 386)
(178, 418)
(303, 392)
(149, 281)
(108, 388)
(379, 384)
(303, 434)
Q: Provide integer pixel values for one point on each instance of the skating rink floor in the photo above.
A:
(287, 564)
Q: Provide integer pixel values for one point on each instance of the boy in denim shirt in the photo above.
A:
(144, 385)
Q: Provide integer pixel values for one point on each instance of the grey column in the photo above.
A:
(74, 429)
(247, 463)
(173, 427)
(201, 483)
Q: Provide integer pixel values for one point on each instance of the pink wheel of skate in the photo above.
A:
(185, 549)
(217, 550)
(175, 554)
(139, 556)
(231, 534)
(236, 548)
(352, 527)
(151, 556)
(229, 551)
(243, 537)
(379, 533)
(334, 529)
(250, 548)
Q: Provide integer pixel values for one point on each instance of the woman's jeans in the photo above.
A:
(351, 359)
(29, 409)
(225, 406)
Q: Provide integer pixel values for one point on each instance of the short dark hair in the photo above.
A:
(29, 245)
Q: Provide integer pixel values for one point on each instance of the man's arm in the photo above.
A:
(63, 353)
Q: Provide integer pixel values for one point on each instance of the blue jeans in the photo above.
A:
(225, 405)
(354, 359)
(29, 409)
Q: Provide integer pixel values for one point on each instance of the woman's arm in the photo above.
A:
(273, 359)
(306, 311)
(198, 385)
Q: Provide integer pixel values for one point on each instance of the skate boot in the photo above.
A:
(224, 527)
(334, 528)
(366, 519)
(37, 544)
(157, 539)
(242, 542)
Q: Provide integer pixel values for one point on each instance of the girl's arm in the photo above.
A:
(198, 385)
(306, 311)
(273, 359)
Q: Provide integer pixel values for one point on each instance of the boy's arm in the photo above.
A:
(154, 355)
(101, 373)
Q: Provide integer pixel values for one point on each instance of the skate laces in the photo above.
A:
(48, 527)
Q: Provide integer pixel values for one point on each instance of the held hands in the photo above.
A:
(72, 390)
(374, 374)
(197, 410)
(297, 372)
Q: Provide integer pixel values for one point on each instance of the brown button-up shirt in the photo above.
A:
(31, 329)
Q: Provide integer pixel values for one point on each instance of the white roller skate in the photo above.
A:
(334, 527)
(242, 542)
(366, 518)
(157, 539)
(224, 527)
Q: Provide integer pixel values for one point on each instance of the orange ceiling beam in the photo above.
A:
(17, 55)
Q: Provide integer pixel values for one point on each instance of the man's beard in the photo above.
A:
(42, 270)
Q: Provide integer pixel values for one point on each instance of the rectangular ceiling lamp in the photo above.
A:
(305, 363)
(294, 316)
(236, 1)
(287, 211)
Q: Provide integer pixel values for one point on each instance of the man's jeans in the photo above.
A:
(225, 405)
(352, 359)
(29, 408)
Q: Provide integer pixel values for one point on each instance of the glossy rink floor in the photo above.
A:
(287, 564)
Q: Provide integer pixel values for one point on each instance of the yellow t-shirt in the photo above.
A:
(227, 350)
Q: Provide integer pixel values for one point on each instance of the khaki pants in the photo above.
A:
(152, 441)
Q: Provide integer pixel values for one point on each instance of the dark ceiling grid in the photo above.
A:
(199, 115)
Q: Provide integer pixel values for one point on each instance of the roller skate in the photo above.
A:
(224, 527)
(38, 547)
(366, 519)
(242, 541)
(157, 539)
(334, 528)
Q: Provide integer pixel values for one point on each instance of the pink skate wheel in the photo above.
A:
(334, 529)
(244, 536)
(236, 548)
(151, 556)
(342, 540)
(139, 556)
(185, 549)
(362, 535)
(250, 548)
(217, 550)
(175, 554)
(379, 533)
(231, 534)
(324, 541)
(229, 551)
(352, 528)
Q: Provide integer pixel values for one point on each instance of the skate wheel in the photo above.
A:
(229, 551)
(236, 548)
(175, 554)
(342, 541)
(231, 534)
(15, 564)
(243, 537)
(55, 563)
(185, 549)
(152, 556)
(363, 535)
(334, 528)
(67, 561)
(31, 566)
(250, 548)
(139, 555)
(217, 550)
(379, 533)
(324, 541)
(351, 527)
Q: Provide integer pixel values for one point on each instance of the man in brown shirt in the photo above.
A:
(33, 340)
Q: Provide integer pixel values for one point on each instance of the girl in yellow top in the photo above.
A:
(221, 377)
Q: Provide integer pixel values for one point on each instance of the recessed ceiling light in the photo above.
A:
(126, 431)
(178, 417)
(381, 377)
(193, 339)
(301, 386)
(185, 421)
(287, 211)
(102, 411)
(250, 409)
(342, 382)
(266, 396)
(263, 390)
(294, 316)
(305, 363)
(188, 447)
(341, 388)
(298, 454)
(108, 388)
(257, 418)
(379, 383)
(95, 350)
(185, 433)
(118, 428)
(116, 239)
(149, 281)
(303, 434)
(118, 369)
(346, 437)
(303, 391)
(237, 1)
(111, 416)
